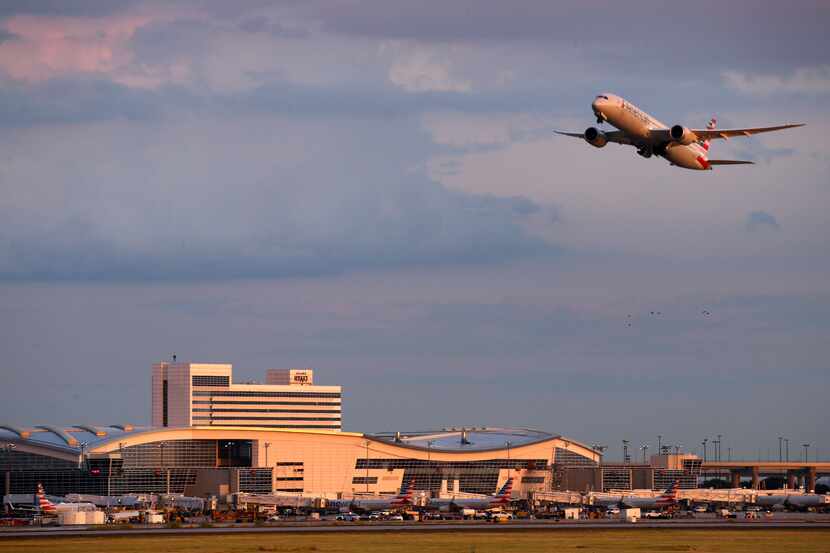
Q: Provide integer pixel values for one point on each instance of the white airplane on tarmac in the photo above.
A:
(501, 499)
(404, 500)
(667, 499)
(683, 147)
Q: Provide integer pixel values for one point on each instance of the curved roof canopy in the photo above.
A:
(72, 438)
(466, 438)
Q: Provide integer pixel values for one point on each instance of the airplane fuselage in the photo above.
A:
(638, 125)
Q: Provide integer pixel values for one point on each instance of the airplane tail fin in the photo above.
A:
(407, 490)
(506, 491)
(712, 124)
(671, 492)
(44, 504)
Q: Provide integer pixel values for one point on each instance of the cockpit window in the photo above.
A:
(603, 97)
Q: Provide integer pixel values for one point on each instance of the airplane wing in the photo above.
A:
(664, 135)
(708, 134)
(729, 162)
(613, 136)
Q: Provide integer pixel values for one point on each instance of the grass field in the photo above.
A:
(583, 541)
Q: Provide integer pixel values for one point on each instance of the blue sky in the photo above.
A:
(373, 189)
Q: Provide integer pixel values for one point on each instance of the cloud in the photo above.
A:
(6, 35)
(75, 8)
(760, 220)
(804, 80)
(264, 197)
(262, 24)
(422, 71)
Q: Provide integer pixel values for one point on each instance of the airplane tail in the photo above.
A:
(712, 124)
(670, 495)
(44, 504)
(407, 490)
(506, 491)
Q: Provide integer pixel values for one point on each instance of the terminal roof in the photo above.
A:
(466, 438)
(71, 438)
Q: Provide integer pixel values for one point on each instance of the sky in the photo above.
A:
(373, 189)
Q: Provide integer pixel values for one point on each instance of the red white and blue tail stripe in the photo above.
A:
(712, 124)
(405, 496)
(669, 497)
(45, 506)
(504, 494)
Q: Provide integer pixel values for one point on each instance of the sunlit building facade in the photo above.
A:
(216, 460)
(204, 394)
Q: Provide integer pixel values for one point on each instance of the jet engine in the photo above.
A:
(682, 135)
(595, 137)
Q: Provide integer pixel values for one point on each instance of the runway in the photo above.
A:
(427, 527)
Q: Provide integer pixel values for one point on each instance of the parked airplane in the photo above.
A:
(667, 499)
(500, 499)
(47, 508)
(400, 501)
(683, 147)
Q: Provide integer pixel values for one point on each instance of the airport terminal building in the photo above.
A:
(217, 460)
(212, 436)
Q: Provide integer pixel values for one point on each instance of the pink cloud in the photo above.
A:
(47, 47)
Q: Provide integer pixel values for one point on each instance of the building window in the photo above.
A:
(223, 393)
(164, 403)
(365, 480)
(533, 480)
(201, 380)
(216, 416)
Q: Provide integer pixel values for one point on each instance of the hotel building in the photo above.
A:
(204, 394)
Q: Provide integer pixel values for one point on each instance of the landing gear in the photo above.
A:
(600, 120)
(645, 152)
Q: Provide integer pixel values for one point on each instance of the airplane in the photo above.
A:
(667, 499)
(400, 501)
(47, 508)
(500, 499)
(681, 146)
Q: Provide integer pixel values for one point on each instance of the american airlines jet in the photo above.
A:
(501, 499)
(401, 501)
(683, 147)
(667, 499)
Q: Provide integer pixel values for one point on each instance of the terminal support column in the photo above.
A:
(810, 484)
(792, 482)
(736, 478)
(756, 478)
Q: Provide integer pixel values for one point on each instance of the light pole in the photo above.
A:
(7, 449)
(508, 453)
(704, 442)
(806, 447)
(644, 447)
(659, 444)
(719, 450)
(626, 458)
(780, 449)
(787, 449)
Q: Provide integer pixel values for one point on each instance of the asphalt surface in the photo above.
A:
(710, 524)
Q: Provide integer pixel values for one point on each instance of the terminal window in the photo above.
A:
(234, 453)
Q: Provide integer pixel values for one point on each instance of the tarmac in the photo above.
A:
(799, 522)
